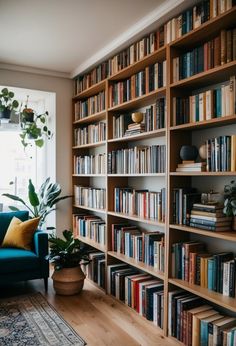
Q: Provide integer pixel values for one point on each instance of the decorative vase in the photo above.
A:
(68, 281)
(5, 113)
(234, 223)
(29, 117)
(188, 153)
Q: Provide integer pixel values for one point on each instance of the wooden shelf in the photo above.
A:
(136, 218)
(215, 75)
(138, 175)
(102, 211)
(94, 89)
(90, 145)
(228, 236)
(92, 243)
(95, 284)
(150, 59)
(222, 121)
(139, 101)
(144, 135)
(211, 296)
(137, 264)
(91, 118)
(203, 174)
(89, 175)
(206, 30)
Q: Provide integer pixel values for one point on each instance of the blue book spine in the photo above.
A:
(218, 103)
(188, 62)
(204, 333)
(197, 107)
(210, 263)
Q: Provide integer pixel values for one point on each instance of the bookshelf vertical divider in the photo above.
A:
(174, 138)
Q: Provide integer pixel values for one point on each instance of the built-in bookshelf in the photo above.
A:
(136, 228)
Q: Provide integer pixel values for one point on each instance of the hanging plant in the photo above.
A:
(7, 103)
(34, 127)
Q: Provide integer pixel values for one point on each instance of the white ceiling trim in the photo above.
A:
(162, 13)
(42, 72)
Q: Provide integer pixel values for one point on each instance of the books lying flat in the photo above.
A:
(191, 167)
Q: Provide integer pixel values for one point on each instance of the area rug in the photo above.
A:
(31, 321)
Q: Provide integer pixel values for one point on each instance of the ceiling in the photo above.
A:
(60, 35)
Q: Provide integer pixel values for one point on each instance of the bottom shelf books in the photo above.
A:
(95, 270)
(140, 291)
(196, 323)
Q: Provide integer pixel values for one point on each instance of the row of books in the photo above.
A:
(143, 246)
(194, 322)
(142, 203)
(219, 51)
(139, 84)
(93, 104)
(221, 154)
(183, 200)
(214, 103)
(153, 119)
(209, 217)
(95, 270)
(93, 133)
(195, 17)
(194, 264)
(140, 291)
(89, 226)
(173, 29)
(90, 197)
(137, 160)
(90, 164)
(135, 52)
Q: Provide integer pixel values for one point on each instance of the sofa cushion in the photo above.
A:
(16, 260)
(5, 219)
(20, 233)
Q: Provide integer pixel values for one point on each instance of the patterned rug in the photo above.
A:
(32, 321)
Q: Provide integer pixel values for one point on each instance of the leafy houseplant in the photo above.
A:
(66, 255)
(7, 103)
(40, 204)
(34, 127)
(230, 201)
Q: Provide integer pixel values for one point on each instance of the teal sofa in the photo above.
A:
(23, 265)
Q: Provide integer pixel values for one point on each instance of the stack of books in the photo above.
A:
(135, 129)
(191, 166)
(193, 322)
(140, 291)
(209, 217)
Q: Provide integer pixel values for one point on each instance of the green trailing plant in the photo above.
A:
(7, 102)
(230, 199)
(67, 252)
(33, 127)
(40, 204)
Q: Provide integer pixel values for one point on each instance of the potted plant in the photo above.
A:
(40, 204)
(230, 202)
(7, 103)
(33, 127)
(66, 255)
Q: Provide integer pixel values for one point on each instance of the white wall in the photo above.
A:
(63, 88)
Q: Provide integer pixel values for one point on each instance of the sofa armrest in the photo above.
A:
(41, 244)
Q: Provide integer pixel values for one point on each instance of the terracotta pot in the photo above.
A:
(68, 281)
(234, 223)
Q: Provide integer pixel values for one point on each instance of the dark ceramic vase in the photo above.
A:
(5, 114)
(188, 153)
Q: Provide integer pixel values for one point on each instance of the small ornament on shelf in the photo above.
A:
(137, 126)
(189, 154)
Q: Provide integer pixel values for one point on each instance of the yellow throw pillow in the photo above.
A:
(20, 233)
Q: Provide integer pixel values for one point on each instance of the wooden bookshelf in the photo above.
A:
(92, 243)
(174, 137)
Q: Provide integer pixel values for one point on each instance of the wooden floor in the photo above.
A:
(99, 319)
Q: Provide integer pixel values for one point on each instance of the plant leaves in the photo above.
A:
(33, 197)
(39, 143)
